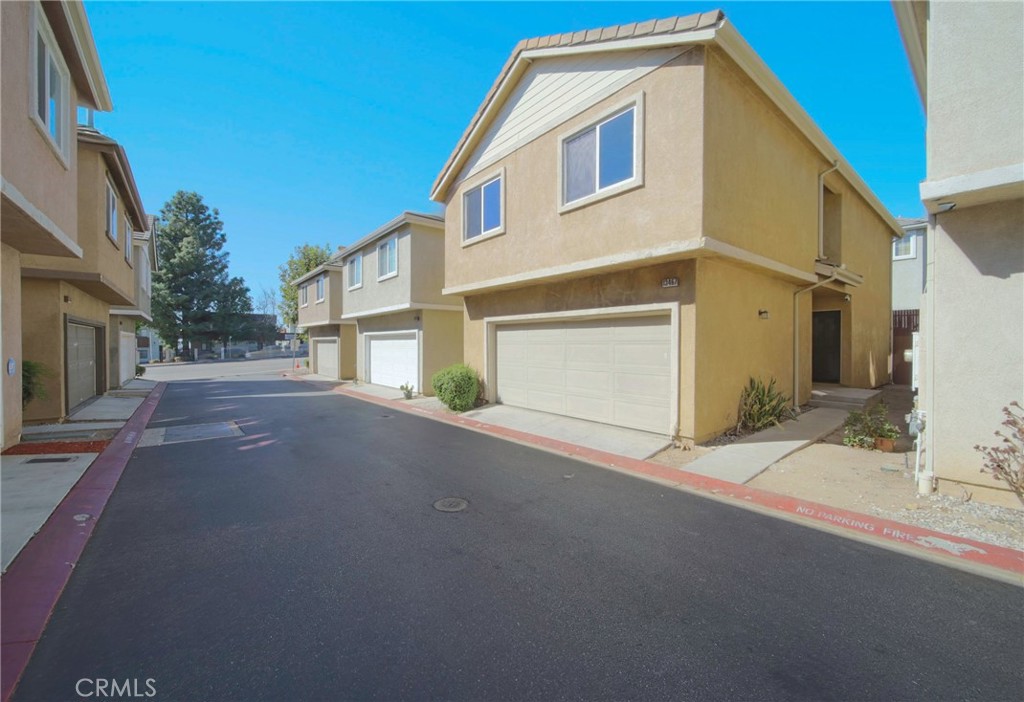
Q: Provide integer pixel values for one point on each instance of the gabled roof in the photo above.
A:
(71, 28)
(406, 217)
(120, 169)
(708, 28)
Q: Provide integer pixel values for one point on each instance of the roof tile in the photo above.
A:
(593, 35)
(709, 18)
(626, 30)
(608, 33)
(579, 37)
(644, 28)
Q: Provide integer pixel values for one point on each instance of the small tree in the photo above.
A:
(232, 308)
(1006, 462)
(304, 259)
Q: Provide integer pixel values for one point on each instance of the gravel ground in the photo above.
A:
(1002, 526)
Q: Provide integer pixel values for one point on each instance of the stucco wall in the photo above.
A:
(978, 341)
(908, 276)
(442, 343)
(10, 314)
(29, 161)
(328, 311)
(734, 344)
(962, 37)
(43, 312)
(761, 174)
(666, 208)
(428, 267)
(379, 294)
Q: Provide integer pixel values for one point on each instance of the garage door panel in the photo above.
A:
(82, 366)
(612, 370)
(394, 360)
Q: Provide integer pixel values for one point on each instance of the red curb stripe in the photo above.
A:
(933, 542)
(33, 583)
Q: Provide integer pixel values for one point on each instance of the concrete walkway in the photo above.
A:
(743, 460)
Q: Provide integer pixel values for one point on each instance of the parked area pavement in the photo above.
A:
(308, 559)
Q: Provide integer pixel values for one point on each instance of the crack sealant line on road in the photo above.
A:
(975, 556)
(36, 578)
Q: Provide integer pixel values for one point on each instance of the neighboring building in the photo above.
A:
(968, 61)
(332, 340)
(640, 218)
(909, 258)
(79, 314)
(407, 329)
(49, 69)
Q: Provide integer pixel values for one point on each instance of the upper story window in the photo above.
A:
(145, 273)
(482, 211)
(387, 259)
(303, 294)
(604, 158)
(905, 248)
(111, 221)
(127, 241)
(320, 288)
(51, 86)
(355, 272)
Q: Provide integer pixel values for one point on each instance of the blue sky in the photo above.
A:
(318, 122)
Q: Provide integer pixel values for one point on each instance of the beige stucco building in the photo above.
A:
(968, 61)
(49, 68)
(406, 328)
(641, 218)
(332, 350)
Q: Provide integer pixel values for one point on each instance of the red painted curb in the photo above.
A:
(30, 588)
(932, 542)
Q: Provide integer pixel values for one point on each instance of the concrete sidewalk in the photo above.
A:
(745, 459)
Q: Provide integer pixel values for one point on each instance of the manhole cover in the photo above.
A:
(451, 504)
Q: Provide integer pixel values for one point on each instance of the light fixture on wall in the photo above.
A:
(763, 314)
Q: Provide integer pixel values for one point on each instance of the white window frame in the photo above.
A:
(910, 235)
(304, 295)
(61, 123)
(355, 264)
(128, 239)
(111, 221)
(499, 176)
(636, 103)
(321, 286)
(146, 273)
(390, 241)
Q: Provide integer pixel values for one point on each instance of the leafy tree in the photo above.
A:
(193, 270)
(304, 259)
(232, 312)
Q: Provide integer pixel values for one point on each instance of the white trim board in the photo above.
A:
(402, 308)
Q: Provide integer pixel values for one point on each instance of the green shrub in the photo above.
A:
(762, 406)
(861, 428)
(33, 374)
(456, 386)
(140, 370)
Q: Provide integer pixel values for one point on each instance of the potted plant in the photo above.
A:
(871, 428)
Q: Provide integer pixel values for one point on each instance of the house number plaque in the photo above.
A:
(670, 282)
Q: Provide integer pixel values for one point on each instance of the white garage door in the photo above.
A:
(327, 357)
(617, 371)
(126, 357)
(81, 354)
(394, 360)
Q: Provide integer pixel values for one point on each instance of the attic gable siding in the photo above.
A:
(553, 90)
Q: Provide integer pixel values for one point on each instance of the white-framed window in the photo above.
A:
(146, 274)
(320, 288)
(111, 221)
(387, 259)
(355, 272)
(303, 294)
(127, 241)
(604, 158)
(905, 248)
(483, 209)
(50, 101)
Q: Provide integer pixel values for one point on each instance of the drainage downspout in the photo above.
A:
(821, 210)
(796, 332)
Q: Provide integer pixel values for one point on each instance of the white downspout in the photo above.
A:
(821, 209)
(796, 332)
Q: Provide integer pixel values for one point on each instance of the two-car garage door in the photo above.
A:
(612, 370)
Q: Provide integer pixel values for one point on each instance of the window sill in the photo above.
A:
(904, 258)
(600, 195)
(355, 287)
(389, 276)
(483, 237)
(320, 300)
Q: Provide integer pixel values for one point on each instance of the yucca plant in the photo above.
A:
(762, 406)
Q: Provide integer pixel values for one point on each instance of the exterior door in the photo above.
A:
(616, 371)
(826, 355)
(82, 366)
(394, 360)
(327, 358)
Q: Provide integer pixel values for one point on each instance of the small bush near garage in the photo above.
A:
(140, 370)
(762, 406)
(33, 375)
(456, 386)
